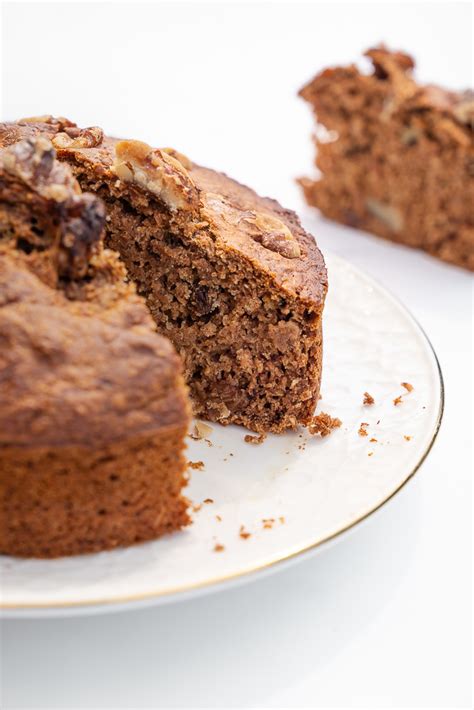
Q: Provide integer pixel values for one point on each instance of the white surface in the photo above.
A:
(290, 492)
(382, 619)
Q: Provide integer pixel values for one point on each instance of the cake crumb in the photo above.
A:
(408, 386)
(323, 424)
(371, 453)
(218, 518)
(255, 439)
(196, 465)
(208, 500)
(397, 400)
(200, 430)
(218, 547)
(373, 440)
(243, 533)
(363, 429)
(281, 519)
(197, 507)
(408, 438)
(368, 399)
(268, 522)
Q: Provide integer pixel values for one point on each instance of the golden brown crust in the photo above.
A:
(77, 374)
(258, 228)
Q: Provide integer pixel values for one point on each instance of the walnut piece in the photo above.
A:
(464, 110)
(59, 121)
(273, 234)
(33, 162)
(389, 215)
(180, 157)
(73, 138)
(158, 172)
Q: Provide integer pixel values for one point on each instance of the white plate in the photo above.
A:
(311, 488)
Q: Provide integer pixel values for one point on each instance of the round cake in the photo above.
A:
(93, 407)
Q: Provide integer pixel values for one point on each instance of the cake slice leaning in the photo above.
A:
(395, 158)
(93, 408)
(231, 278)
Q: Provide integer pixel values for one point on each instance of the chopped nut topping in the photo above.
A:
(58, 121)
(80, 217)
(158, 172)
(180, 157)
(74, 138)
(272, 234)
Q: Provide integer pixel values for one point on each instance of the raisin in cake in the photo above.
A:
(93, 408)
(396, 158)
(231, 278)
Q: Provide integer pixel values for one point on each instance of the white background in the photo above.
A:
(383, 618)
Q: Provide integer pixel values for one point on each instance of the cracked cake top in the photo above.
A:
(203, 202)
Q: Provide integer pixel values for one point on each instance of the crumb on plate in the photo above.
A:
(200, 431)
(259, 439)
(323, 424)
(196, 465)
(243, 533)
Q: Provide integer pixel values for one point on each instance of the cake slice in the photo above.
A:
(231, 278)
(395, 158)
(93, 407)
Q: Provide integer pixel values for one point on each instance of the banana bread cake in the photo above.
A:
(396, 158)
(231, 278)
(93, 407)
